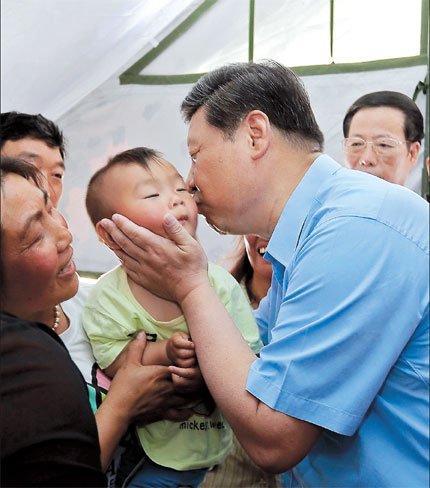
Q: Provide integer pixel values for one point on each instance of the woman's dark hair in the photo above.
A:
(414, 124)
(232, 91)
(21, 168)
(16, 125)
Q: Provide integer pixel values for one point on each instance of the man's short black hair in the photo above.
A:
(414, 124)
(232, 91)
(17, 125)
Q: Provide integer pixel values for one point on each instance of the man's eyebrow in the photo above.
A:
(34, 217)
(32, 155)
(377, 136)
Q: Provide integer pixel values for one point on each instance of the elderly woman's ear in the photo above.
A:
(105, 237)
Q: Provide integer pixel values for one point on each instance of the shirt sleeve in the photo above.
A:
(261, 315)
(107, 323)
(347, 309)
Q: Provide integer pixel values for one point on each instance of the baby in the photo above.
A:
(142, 186)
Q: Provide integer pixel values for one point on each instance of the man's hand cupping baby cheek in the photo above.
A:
(168, 267)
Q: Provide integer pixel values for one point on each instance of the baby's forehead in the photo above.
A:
(163, 163)
(153, 168)
(166, 167)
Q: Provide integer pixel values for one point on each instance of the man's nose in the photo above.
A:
(369, 155)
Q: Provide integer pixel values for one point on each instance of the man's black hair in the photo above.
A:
(17, 125)
(232, 91)
(414, 124)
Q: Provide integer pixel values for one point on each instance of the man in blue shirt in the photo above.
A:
(353, 340)
(339, 394)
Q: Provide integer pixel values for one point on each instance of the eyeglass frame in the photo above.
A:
(375, 149)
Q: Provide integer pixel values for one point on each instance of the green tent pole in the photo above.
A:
(251, 30)
(331, 28)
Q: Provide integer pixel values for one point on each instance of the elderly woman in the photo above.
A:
(38, 274)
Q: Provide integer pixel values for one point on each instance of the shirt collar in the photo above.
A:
(283, 241)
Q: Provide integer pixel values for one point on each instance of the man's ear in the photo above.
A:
(105, 237)
(414, 149)
(258, 132)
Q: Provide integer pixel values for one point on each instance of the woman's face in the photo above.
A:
(38, 270)
(256, 248)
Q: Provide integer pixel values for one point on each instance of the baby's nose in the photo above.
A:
(176, 200)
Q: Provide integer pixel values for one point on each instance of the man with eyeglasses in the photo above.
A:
(382, 133)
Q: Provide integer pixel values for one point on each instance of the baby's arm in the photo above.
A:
(177, 350)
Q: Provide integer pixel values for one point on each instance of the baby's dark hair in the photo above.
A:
(97, 207)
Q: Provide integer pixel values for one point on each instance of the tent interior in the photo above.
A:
(112, 75)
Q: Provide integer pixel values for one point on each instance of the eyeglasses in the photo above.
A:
(383, 146)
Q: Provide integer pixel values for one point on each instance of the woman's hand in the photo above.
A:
(170, 268)
(141, 392)
(144, 393)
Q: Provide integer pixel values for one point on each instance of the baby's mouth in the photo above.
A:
(182, 219)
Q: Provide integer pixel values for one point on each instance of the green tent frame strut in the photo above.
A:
(132, 75)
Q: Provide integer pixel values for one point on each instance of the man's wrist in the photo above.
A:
(192, 295)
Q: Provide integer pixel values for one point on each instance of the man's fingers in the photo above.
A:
(132, 231)
(176, 232)
(129, 236)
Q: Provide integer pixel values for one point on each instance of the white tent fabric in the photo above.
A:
(55, 52)
(296, 32)
(72, 52)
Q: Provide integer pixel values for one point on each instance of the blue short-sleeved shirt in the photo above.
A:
(346, 328)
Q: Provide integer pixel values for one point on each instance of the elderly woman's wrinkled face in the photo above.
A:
(38, 270)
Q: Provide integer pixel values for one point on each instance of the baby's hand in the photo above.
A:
(180, 350)
(187, 380)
